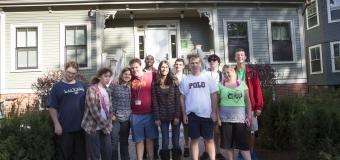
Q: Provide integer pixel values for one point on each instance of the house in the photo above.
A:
(323, 42)
(41, 35)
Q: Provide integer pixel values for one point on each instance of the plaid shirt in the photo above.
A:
(92, 117)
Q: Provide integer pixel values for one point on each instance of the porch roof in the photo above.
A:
(23, 3)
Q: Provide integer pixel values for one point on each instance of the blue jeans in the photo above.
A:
(165, 134)
(99, 146)
(120, 133)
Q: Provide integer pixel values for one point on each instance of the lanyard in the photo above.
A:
(139, 87)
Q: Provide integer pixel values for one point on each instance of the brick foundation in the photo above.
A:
(18, 101)
(291, 90)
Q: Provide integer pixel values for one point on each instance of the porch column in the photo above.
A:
(211, 14)
(101, 17)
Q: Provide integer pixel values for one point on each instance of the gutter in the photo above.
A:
(139, 2)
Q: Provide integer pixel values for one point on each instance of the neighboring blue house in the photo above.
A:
(323, 42)
(41, 35)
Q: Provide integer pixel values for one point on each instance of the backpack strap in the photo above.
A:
(101, 99)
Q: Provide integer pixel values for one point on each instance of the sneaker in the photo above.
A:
(219, 156)
(155, 154)
(204, 156)
(240, 157)
(186, 152)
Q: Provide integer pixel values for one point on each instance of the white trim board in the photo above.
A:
(250, 39)
(302, 43)
(292, 37)
(2, 51)
(310, 59)
(317, 16)
(16, 91)
(13, 68)
(329, 16)
(332, 55)
(215, 32)
(62, 43)
(291, 81)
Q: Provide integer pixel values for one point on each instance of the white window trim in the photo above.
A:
(317, 15)
(292, 32)
(13, 45)
(329, 13)
(250, 39)
(332, 55)
(62, 43)
(310, 59)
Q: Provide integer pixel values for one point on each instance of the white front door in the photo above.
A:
(158, 38)
(157, 44)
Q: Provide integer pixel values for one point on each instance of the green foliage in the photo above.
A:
(309, 125)
(27, 137)
(266, 74)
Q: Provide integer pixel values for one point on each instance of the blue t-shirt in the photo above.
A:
(69, 101)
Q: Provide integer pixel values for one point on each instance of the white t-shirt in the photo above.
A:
(197, 90)
(180, 76)
(214, 75)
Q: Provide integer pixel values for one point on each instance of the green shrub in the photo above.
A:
(27, 137)
(318, 130)
(278, 124)
(309, 125)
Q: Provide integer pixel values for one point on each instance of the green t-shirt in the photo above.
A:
(232, 97)
(241, 75)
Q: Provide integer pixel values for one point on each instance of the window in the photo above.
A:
(26, 49)
(333, 8)
(76, 45)
(280, 39)
(315, 59)
(334, 4)
(237, 37)
(141, 46)
(335, 51)
(173, 46)
(312, 14)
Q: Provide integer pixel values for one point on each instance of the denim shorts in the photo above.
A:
(200, 127)
(143, 127)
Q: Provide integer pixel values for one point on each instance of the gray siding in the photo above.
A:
(49, 43)
(259, 26)
(323, 34)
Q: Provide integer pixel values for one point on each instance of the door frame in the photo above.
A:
(137, 32)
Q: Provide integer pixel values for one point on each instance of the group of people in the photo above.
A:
(221, 106)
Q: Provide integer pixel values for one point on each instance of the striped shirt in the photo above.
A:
(165, 102)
